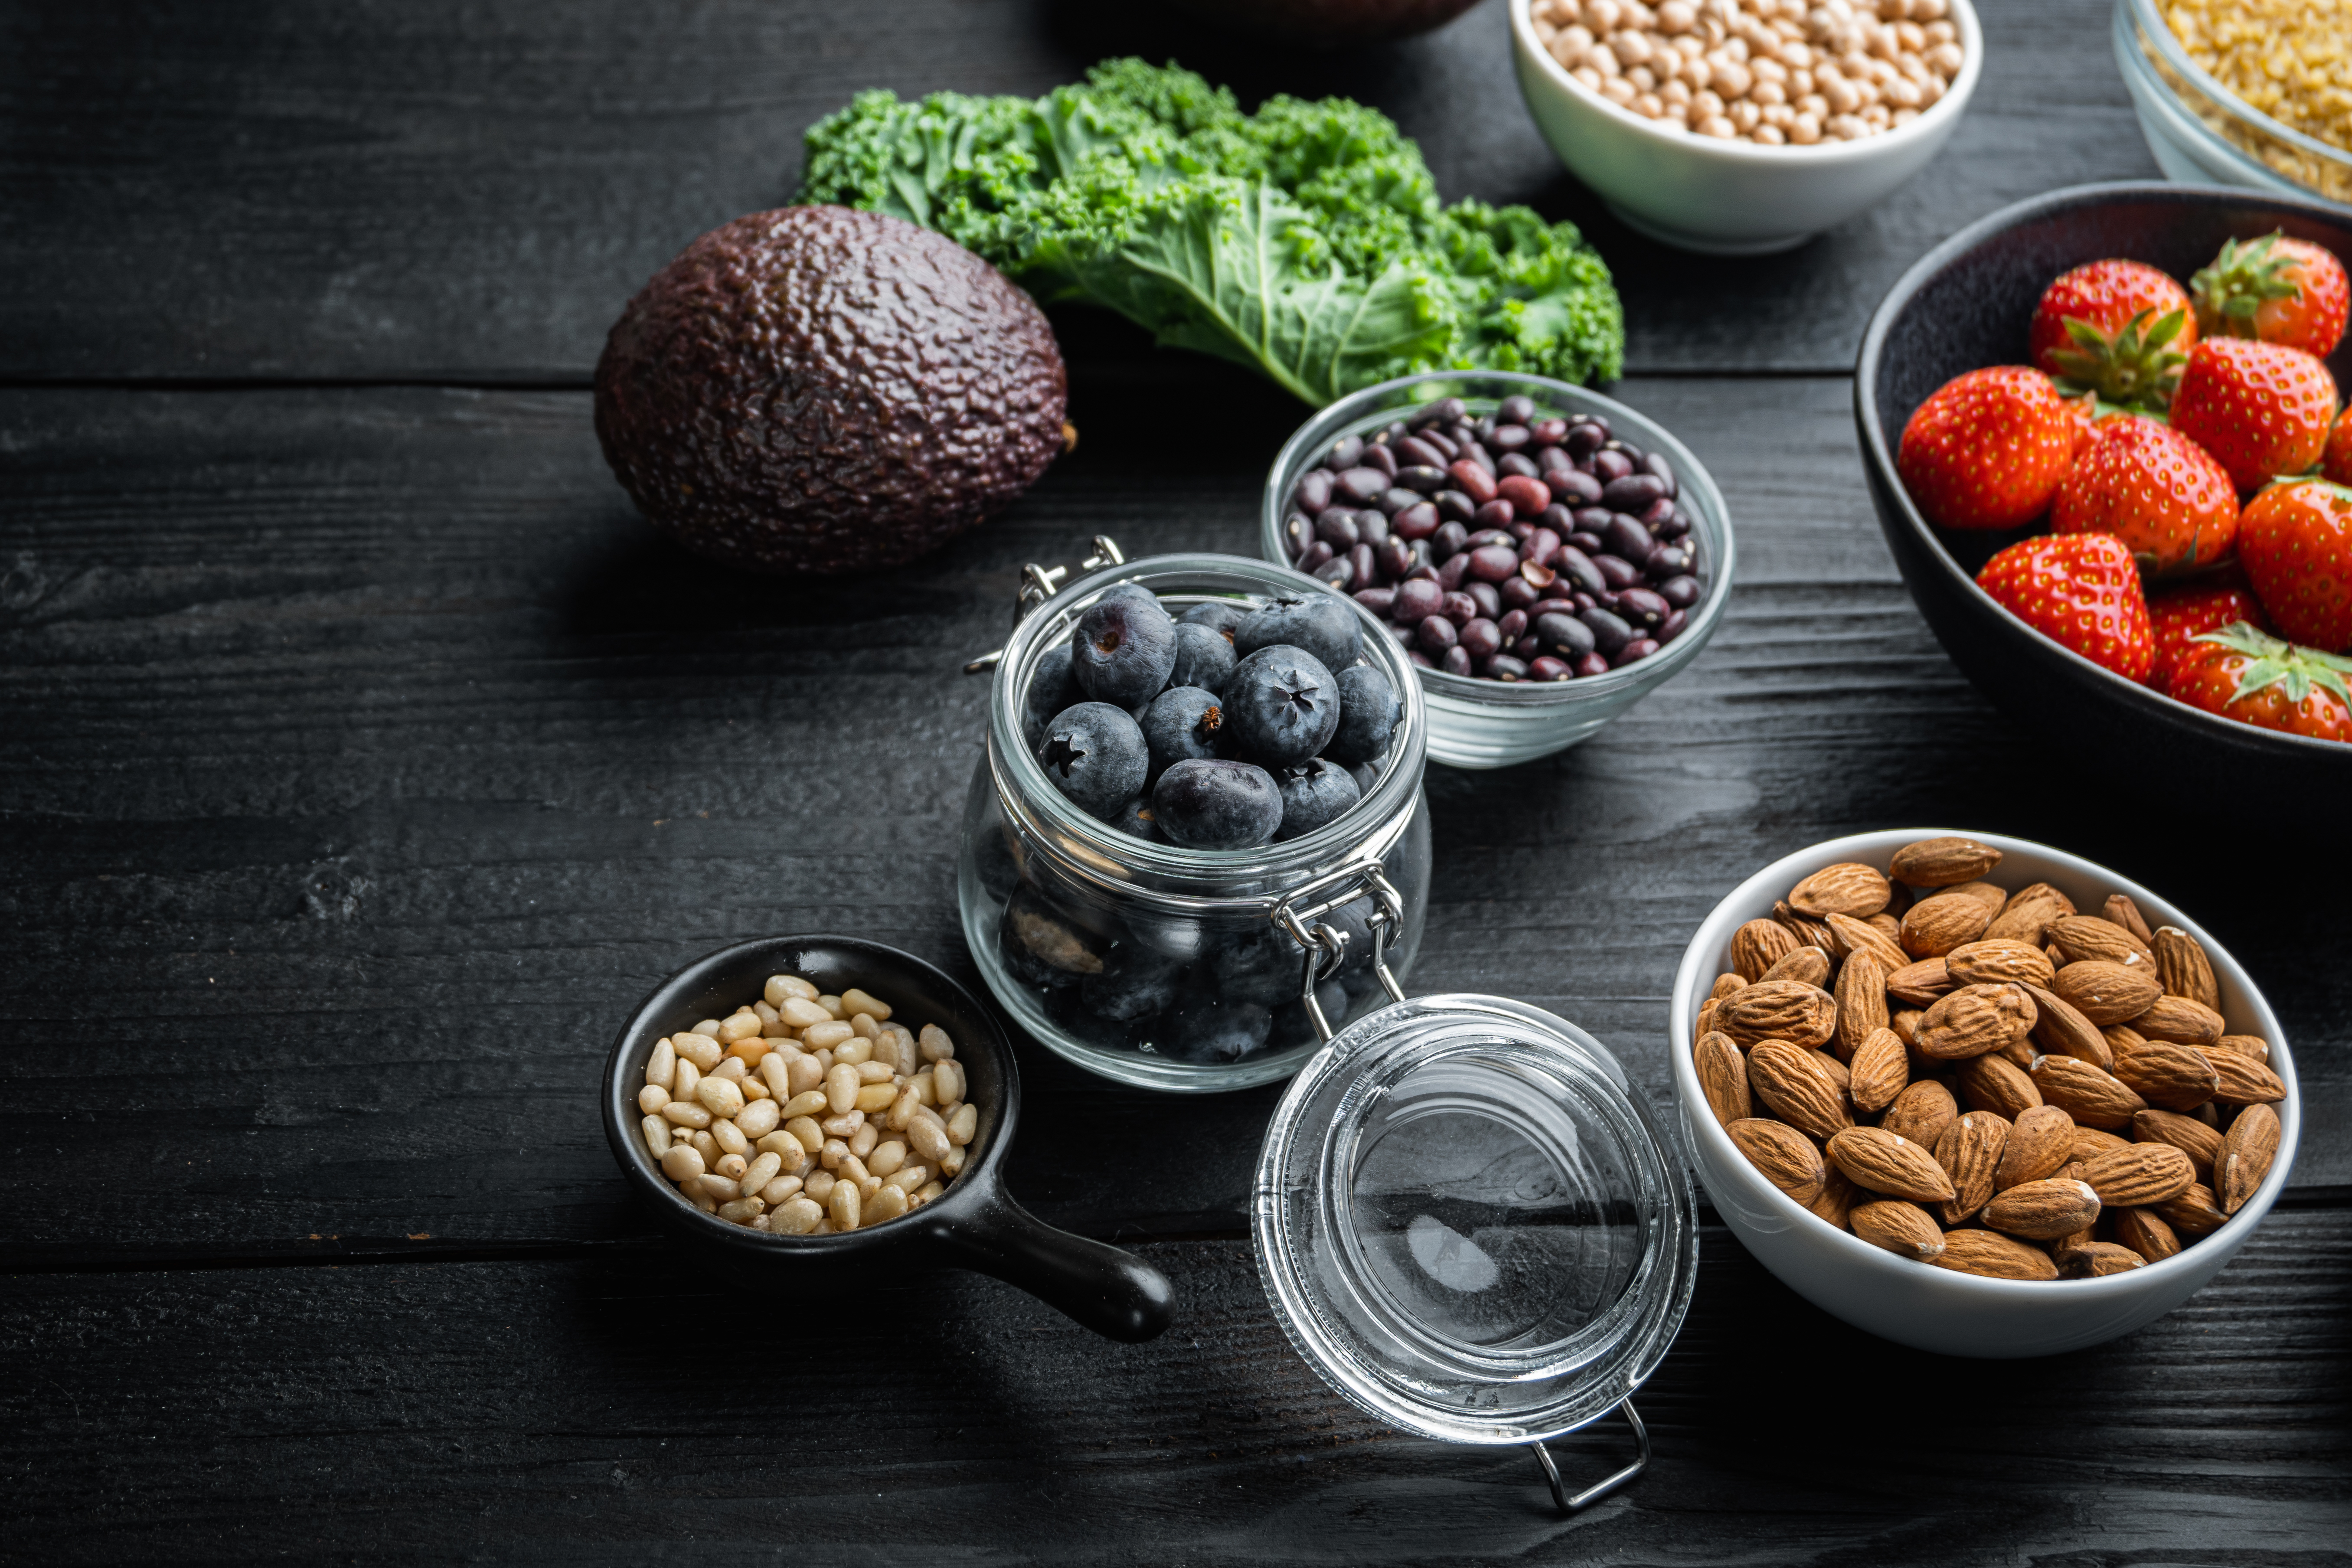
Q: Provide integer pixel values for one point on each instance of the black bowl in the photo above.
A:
(1966, 304)
(974, 1223)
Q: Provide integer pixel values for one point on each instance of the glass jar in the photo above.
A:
(1176, 968)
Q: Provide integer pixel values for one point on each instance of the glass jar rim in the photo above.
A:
(2156, 36)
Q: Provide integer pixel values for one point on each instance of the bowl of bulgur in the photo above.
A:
(2245, 92)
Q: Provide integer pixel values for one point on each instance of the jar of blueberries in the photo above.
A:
(1541, 554)
(1197, 844)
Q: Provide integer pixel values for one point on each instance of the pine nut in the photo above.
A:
(687, 1113)
(760, 1173)
(810, 1104)
(861, 1142)
(799, 1012)
(702, 1200)
(661, 1068)
(887, 1157)
(864, 1026)
(759, 1118)
(806, 1129)
(902, 1110)
(853, 1051)
(782, 1145)
(701, 1049)
(730, 1136)
(684, 1079)
(951, 1162)
(716, 1186)
(652, 1097)
(888, 1203)
(832, 1004)
(748, 1050)
(720, 1096)
(876, 1097)
(926, 1193)
(834, 1152)
(730, 1166)
(796, 1217)
(841, 1087)
(871, 1072)
(843, 1125)
(781, 1191)
(656, 1133)
(857, 1000)
(963, 1123)
(743, 1211)
(929, 1140)
(935, 1045)
(826, 1036)
(946, 1082)
(705, 1145)
(908, 1178)
(754, 1088)
(681, 1164)
(741, 1025)
(775, 1071)
(841, 1207)
(781, 988)
(819, 1185)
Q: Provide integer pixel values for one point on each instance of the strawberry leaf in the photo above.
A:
(2294, 670)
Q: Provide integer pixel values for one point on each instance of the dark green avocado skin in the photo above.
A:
(820, 389)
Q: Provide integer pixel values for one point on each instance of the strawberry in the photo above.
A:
(2185, 613)
(2335, 460)
(2296, 540)
(2080, 590)
(2154, 490)
(2118, 328)
(2240, 674)
(2278, 290)
(1986, 449)
(2261, 409)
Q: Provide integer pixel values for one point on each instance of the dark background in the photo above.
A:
(364, 758)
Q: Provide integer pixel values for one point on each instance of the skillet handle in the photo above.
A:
(1112, 1292)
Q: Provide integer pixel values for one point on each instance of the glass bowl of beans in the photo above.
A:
(2192, 75)
(1542, 555)
(1741, 127)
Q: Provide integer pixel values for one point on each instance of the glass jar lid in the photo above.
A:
(1470, 1223)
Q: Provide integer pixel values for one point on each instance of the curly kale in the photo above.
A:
(1306, 240)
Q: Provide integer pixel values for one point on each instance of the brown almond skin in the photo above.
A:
(1993, 899)
(2061, 1031)
(1725, 984)
(1935, 926)
(1807, 931)
(1806, 965)
(2107, 993)
(1791, 1081)
(2026, 914)
(1976, 1019)
(1993, 1082)
(1837, 1200)
(1864, 936)
(2186, 1133)
(2089, 1143)
(2092, 1098)
(1861, 997)
(2194, 1213)
(2246, 1156)
(1723, 1078)
(1803, 1016)
(2097, 1260)
(1921, 1112)
(1849, 888)
(1970, 1151)
(1990, 962)
(2043, 1210)
(2170, 1077)
(1942, 862)
(2040, 1141)
(2178, 1019)
(2120, 908)
(1758, 946)
(1880, 1162)
(1879, 1072)
(2250, 1045)
(1784, 1156)
(2082, 937)
(1994, 1256)
(2142, 1175)
(2143, 1231)
(1903, 1228)
(1922, 983)
(2244, 1080)
(2182, 966)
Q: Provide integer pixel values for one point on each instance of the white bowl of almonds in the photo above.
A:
(1741, 127)
(1978, 1095)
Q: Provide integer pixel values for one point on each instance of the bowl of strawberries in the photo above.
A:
(2104, 432)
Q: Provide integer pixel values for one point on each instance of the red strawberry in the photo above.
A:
(2240, 674)
(2261, 409)
(2336, 460)
(2296, 542)
(2279, 289)
(2119, 328)
(1986, 449)
(2080, 590)
(2154, 490)
(2176, 617)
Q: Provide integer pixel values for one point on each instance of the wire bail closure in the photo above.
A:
(1607, 1484)
(1301, 918)
(1039, 584)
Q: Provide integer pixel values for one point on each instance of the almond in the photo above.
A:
(2142, 1174)
(1850, 889)
(2092, 1097)
(2186, 1133)
(2194, 1211)
(2252, 1045)
(2043, 1210)
(1879, 1071)
(1905, 1229)
(1921, 982)
(1883, 1162)
(1791, 1083)
(2061, 1246)
(2244, 1080)
(2144, 1232)
(1837, 1200)
(2089, 1143)
(1723, 1078)
(1860, 997)
(2099, 1258)
(2120, 908)
(2088, 936)
(1778, 1010)
(1970, 1151)
(1758, 946)
(1725, 984)
(1705, 1023)
(2040, 1141)
(1806, 965)
(1991, 962)
(2182, 966)
(2107, 993)
(1942, 862)
(2178, 1019)
(2026, 914)
(1921, 1112)
(1785, 1157)
(1864, 936)
(2062, 1031)
(1935, 926)
(1807, 931)
(2172, 1076)
(1993, 1082)
(1976, 1019)
(1906, 1022)
(2246, 1156)
(1993, 899)
(1994, 1256)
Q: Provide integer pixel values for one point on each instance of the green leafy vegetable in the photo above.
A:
(1306, 240)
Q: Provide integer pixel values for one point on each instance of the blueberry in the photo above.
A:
(1135, 819)
(1133, 983)
(1314, 793)
(1217, 805)
(1204, 657)
(1044, 948)
(1369, 712)
(1325, 625)
(1135, 591)
(1051, 690)
(1221, 616)
(1124, 648)
(1257, 964)
(1281, 706)
(1095, 754)
(1210, 1028)
(1183, 724)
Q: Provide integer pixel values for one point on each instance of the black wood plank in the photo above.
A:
(470, 190)
(620, 1410)
(367, 760)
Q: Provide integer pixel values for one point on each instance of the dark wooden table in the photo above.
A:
(364, 758)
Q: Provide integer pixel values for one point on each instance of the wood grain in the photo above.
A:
(470, 192)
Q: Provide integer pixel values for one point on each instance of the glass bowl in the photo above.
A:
(1476, 723)
(2202, 133)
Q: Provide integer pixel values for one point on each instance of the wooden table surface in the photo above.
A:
(364, 758)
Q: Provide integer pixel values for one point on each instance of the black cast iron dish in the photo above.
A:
(973, 1225)
(1965, 304)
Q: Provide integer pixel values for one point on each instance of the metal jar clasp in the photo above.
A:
(1039, 584)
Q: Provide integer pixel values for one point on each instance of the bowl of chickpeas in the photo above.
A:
(1743, 127)
(804, 1108)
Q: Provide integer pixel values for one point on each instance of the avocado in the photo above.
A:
(821, 390)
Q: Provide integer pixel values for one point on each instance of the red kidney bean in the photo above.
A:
(1418, 599)
(1591, 664)
(1422, 479)
(1414, 521)
(1475, 483)
(1502, 667)
(1594, 520)
(1610, 463)
(1672, 626)
(1346, 453)
(1456, 567)
(1525, 649)
(1639, 648)
(1625, 537)
(1460, 608)
(1380, 601)
(1317, 554)
(1372, 527)
(1513, 626)
(1336, 528)
(1362, 484)
(1393, 558)
(1493, 562)
(1676, 526)
(1609, 633)
(1445, 411)
(1634, 493)
(1378, 456)
(1509, 438)
(1540, 545)
(1572, 488)
(1655, 462)
(1446, 446)
(1640, 607)
(1536, 575)
(1494, 517)
(1472, 452)
(1481, 638)
(1656, 513)
(1486, 536)
(1517, 593)
(1419, 661)
(1550, 461)
(1449, 540)
(1360, 563)
(1583, 438)
(1314, 492)
(1436, 634)
(1517, 409)
(1456, 662)
(1584, 601)
(1681, 593)
(1340, 572)
(1584, 540)
(1394, 500)
(1297, 532)
(1617, 572)
(1456, 505)
(1547, 667)
(1564, 635)
(1516, 464)
(1484, 596)
(1415, 452)
(1527, 496)
(1667, 561)
(1579, 569)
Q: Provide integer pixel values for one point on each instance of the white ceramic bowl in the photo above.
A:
(1917, 1303)
(1731, 198)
